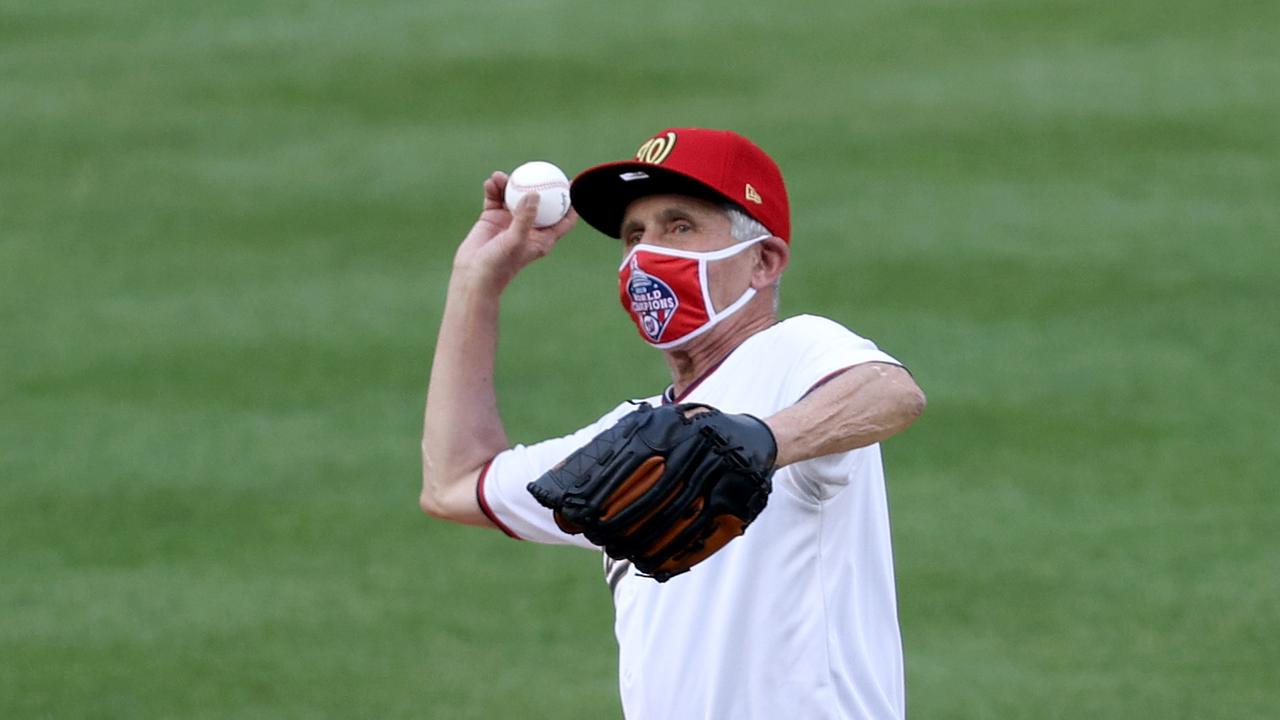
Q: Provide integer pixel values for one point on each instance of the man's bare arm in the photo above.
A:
(462, 429)
(861, 406)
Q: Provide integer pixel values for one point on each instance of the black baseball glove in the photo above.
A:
(665, 487)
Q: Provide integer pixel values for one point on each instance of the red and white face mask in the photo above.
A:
(666, 293)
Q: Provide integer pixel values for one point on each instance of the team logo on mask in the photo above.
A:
(653, 302)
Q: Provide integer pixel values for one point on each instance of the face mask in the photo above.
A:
(667, 294)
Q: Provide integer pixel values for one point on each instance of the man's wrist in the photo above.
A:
(783, 438)
(470, 278)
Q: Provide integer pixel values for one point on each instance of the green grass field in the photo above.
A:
(225, 233)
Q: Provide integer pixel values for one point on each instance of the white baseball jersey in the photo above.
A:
(797, 618)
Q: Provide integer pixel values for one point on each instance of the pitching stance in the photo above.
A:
(741, 510)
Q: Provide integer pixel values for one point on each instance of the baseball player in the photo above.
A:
(766, 591)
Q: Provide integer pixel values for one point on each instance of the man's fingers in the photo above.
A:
(542, 240)
(494, 187)
(523, 215)
(564, 225)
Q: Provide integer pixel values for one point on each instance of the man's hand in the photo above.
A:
(502, 242)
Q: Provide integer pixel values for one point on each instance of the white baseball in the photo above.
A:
(551, 184)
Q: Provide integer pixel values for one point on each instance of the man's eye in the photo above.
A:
(682, 227)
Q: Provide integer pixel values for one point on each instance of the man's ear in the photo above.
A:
(770, 262)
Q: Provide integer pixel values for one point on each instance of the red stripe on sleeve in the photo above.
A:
(833, 375)
(826, 379)
(484, 504)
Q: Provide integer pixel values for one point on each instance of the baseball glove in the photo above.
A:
(665, 487)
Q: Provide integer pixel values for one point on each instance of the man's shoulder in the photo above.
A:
(788, 344)
(799, 330)
(808, 347)
(813, 323)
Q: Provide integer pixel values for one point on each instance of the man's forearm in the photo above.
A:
(859, 407)
(462, 428)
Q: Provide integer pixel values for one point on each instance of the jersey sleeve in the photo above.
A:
(501, 490)
(822, 350)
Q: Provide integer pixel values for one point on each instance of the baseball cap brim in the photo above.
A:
(602, 193)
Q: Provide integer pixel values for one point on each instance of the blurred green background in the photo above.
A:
(225, 234)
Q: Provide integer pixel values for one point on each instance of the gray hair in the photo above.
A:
(743, 227)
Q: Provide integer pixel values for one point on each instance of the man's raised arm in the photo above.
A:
(461, 427)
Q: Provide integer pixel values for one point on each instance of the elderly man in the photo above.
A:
(795, 619)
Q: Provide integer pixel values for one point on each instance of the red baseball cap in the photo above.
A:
(713, 164)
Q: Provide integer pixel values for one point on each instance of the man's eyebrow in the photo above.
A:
(628, 226)
(679, 211)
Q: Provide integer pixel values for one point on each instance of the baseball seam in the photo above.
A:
(540, 186)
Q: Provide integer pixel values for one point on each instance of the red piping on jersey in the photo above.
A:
(693, 385)
(667, 398)
(826, 379)
(484, 504)
(832, 376)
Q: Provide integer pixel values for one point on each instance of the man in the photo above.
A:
(795, 619)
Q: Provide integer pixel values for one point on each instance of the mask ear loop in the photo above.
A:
(714, 316)
(704, 284)
(691, 254)
(737, 305)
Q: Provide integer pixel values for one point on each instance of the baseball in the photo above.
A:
(549, 182)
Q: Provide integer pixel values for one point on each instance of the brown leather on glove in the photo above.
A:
(665, 487)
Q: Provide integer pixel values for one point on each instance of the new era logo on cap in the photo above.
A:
(686, 161)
